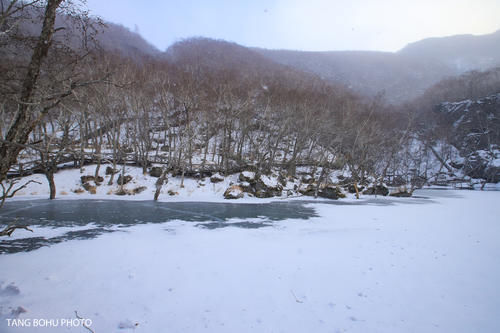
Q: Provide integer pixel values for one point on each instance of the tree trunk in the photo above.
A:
(440, 159)
(159, 183)
(292, 164)
(112, 173)
(123, 177)
(98, 167)
(24, 122)
(356, 189)
(182, 176)
(205, 153)
(52, 185)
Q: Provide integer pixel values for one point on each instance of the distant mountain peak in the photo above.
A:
(402, 75)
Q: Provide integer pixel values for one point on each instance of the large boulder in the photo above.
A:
(217, 178)
(247, 187)
(401, 192)
(330, 191)
(87, 178)
(205, 173)
(307, 189)
(261, 186)
(247, 176)
(90, 188)
(267, 187)
(110, 171)
(139, 189)
(233, 192)
(352, 189)
(155, 172)
(122, 191)
(124, 180)
(377, 190)
(307, 179)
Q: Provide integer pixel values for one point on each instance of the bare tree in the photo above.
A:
(55, 137)
(30, 101)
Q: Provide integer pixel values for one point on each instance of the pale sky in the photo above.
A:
(313, 25)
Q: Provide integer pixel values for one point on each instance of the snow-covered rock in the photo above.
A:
(475, 132)
(330, 191)
(234, 192)
(217, 178)
(377, 190)
(401, 192)
(269, 182)
(247, 176)
(110, 171)
(268, 187)
(308, 179)
(124, 180)
(155, 172)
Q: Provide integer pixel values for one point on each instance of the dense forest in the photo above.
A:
(76, 91)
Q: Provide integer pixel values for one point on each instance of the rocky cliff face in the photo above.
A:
(474, 129)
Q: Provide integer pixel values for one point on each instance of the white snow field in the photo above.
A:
(403, 267)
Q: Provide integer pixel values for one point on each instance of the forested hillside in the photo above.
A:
(96, 95)
(402, 75)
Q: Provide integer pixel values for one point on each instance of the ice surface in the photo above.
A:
(415, 265)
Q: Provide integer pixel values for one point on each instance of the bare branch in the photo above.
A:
(10, 229)
(83, 324)
(6, 191)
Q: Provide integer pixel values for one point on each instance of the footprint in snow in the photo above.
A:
(10, 290)
(127, 324)
(17, 311)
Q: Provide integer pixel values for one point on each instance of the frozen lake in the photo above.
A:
(424, 264)
(85, 219)
(90, 218)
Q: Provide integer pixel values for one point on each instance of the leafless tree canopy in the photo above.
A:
(204, 105)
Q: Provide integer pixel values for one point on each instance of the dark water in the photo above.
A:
(101, 215)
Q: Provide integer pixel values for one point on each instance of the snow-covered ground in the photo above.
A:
(67, 181)
(403, 267)
(69, 186)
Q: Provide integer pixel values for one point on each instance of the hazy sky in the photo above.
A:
(385, 25)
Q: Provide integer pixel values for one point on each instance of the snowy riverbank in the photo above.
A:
(69, 186)
(406, 267)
